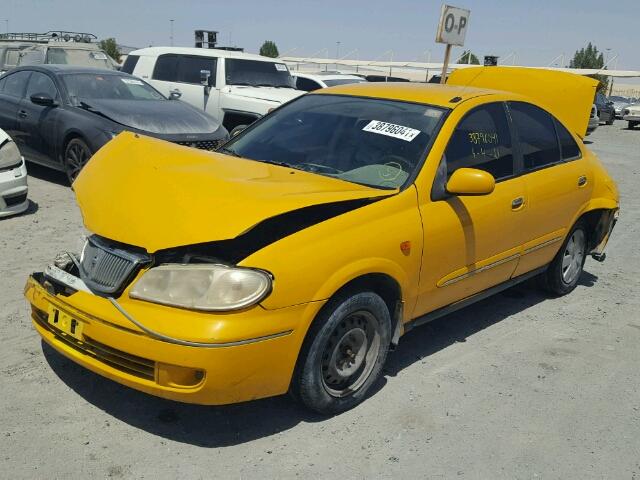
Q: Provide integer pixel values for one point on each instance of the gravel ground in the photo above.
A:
(517, 386)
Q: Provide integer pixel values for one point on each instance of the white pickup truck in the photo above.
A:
(235, 87)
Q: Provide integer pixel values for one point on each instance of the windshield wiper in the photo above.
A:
(280, 164)
(228, 151)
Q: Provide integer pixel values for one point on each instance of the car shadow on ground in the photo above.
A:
(221, 426)
(47, 174)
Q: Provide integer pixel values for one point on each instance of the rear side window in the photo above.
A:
(184, 69)
(536, 134)
(15, 84)
(11, 58)
(482, 140)
(569, 149)
(306, 84)
(130, 63)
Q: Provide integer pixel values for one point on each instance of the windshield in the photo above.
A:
(257, 73)
(618, 99)
(342, 81)
(89, 86)
(80, 57)
(373, 142)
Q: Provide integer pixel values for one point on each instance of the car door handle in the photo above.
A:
(582, 181)
(517, 203)
(22, 114)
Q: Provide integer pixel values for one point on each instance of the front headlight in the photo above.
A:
(203, 286)
(10, 155)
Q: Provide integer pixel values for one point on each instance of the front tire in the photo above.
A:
(565, 270)
(631, 125)
(611, 119)
(76, 155)
(344, 353)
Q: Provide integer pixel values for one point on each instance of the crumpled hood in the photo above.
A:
(270, 94)
(167, 117)
(156, 195)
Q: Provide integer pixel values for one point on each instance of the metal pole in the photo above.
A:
(171, 36)
(445, 64)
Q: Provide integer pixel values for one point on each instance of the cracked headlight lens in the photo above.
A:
(208, 287)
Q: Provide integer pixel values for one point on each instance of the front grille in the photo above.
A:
(15, 200)
(106, 268)
(125, 362)
(204, 144)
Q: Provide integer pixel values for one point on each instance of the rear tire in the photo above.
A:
(76, 155)
(565, 269)
(611, 119)
(631, 124)
(344, 353)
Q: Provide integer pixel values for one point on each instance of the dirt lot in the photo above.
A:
(518, 386)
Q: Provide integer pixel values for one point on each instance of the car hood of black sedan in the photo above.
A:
(164, 117)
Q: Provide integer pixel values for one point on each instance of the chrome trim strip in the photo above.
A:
(480, 270)
(542, 245)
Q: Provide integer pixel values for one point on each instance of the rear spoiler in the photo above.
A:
(567, 96)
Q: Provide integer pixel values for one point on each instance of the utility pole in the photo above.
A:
(6, 21)
(171, 36)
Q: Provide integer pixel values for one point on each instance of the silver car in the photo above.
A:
(13, 178)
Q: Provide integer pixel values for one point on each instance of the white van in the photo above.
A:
(235, 87)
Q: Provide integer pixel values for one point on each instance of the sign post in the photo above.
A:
(451, 31)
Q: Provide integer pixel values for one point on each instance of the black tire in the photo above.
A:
(76, 155)
(631, 125)
(560, 279)
(343, 354)
(611, 119)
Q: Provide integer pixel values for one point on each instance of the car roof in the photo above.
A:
(201, 52)
(326, 76)
(63, 69)
(427, 93)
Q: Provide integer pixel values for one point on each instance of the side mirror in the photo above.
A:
(175, 94)
(471, 181)
(205, 75)
(43, 99)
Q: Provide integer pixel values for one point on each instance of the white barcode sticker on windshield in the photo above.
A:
(132, 81)
(281, 67)
(391, 130)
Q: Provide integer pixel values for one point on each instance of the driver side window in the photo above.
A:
(482, 140)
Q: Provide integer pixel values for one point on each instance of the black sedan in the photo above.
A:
(60, 115)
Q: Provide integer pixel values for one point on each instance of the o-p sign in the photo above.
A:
(453, 25)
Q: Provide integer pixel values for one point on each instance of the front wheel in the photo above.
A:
(611, 119)
(344, 353)
(566, 268)
(631, 125)
(76, 156)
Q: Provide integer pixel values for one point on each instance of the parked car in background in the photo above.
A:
(60, 115)
(297, 256)
(235, 87)
(619, 103)
(631, 114)
(313, 81)
(384, 78)
(594, 120)
(13, 178)
(606, 111)
(58, 48)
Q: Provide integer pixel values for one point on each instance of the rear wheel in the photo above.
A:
(631, 124)
(565, 270)
(344, 353)
(611, 119)
(76, 156)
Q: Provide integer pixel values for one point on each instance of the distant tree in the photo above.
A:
(590, 57)
(269, 49)
(464, 58)
(110, 47)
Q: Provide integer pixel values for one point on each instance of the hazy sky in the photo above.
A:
(536, 30)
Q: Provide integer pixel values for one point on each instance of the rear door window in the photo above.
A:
(189, 68)
(569, 149)
(306, 84)
(11, 58)
(536, 135)
(166, 68)
(482, 140)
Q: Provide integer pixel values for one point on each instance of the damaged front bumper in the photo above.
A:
(253, 352)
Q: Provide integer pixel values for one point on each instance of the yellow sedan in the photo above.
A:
(294, 258)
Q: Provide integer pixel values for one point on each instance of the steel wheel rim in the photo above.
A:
(350, 353)
(573, 256)
(76, 158)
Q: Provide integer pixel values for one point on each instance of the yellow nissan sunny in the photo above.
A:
(296, 256)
